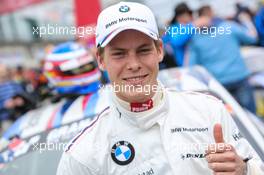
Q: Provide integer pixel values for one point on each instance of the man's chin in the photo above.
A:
(136, 96)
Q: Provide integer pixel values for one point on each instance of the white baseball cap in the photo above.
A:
(124, 16)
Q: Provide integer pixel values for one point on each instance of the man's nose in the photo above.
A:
(133, 63)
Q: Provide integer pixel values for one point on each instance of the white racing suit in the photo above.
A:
(169, 139)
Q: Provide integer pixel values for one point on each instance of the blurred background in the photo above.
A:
(29, 30)
(49, 79)
(19, 46)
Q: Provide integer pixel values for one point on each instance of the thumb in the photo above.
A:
(218, 133)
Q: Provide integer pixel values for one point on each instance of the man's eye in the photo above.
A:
(144, 50)
(118, 54)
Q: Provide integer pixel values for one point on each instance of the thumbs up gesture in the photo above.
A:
(222, 157)
(218, 134)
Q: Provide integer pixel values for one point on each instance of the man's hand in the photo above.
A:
(222, 158)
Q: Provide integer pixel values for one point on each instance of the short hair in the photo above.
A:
(180, 9)
(202, 11)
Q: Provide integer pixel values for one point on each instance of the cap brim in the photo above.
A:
(123, 28)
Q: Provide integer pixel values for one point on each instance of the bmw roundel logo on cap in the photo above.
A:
(124, 8)
(122, 153)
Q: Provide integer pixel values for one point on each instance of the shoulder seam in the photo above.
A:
(85, 129)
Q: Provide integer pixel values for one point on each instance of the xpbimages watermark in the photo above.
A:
(50, 146)
(192, 30)
(129, 88)
(202, 147)
(63, 30)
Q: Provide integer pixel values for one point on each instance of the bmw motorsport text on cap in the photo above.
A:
(124, 16)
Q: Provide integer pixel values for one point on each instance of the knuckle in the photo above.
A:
(209, 159)
(233, 155)
(229, 147)
(213, 166)
(210, 165)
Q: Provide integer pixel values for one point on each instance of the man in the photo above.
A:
(180, 31)
(73, 79)
(217, 48)
(14, 101)
(259, 23)
(156, 131)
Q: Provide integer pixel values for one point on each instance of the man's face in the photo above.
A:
(132, 62)
(184, 18)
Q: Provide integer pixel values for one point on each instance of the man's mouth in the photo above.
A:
(135, 79)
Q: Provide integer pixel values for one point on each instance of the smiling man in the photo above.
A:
(161, 132)
(131, 60)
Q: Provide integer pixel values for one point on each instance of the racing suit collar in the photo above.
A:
(154, 101)
(145, 119)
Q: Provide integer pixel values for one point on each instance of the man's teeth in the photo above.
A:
(135, 78)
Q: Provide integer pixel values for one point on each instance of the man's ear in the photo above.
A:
(100, 61)
(160, 50)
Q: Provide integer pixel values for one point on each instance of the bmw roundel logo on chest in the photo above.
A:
(122, 153)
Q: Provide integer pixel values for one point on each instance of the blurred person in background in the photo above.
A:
(259, 22)
(89, 44)
(179, 32)
(25, 77)
(246, 17)
(14, 101)
(41, 85)
(240, 10)
(71, 71)
(220, 55)
(18, 74)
